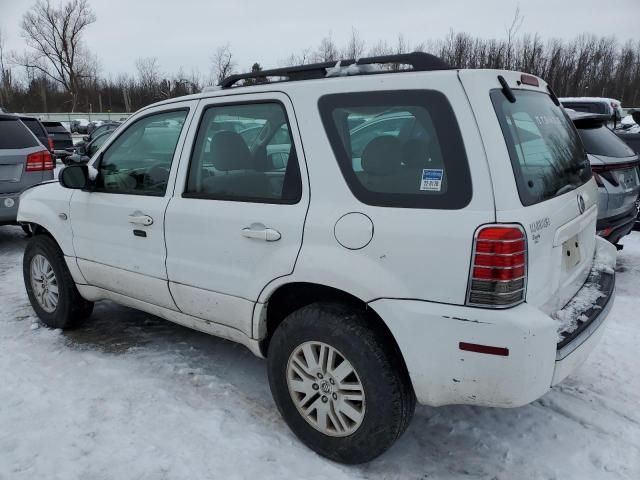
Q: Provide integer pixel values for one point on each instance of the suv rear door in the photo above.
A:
(536, 157)
(235, 222)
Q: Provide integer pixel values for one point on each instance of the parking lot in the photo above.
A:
(130, 395)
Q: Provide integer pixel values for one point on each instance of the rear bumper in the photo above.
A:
(9, 207)
(429, 336)
(614, 228)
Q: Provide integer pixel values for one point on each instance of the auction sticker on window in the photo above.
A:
(431, 179)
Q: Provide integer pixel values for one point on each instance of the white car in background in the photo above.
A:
(450, 260)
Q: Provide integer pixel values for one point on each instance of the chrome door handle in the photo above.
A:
(260, 232)
(138, 218)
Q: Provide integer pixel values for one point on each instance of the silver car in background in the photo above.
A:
(615, 169)
(24, 162)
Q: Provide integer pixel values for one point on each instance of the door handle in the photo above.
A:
(139, 218)
(260, 232)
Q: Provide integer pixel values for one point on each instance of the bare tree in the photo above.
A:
(148, 73)
(512, 32)
(54, 37)
(5, 75)
(223, 64)
(327, 51)
(355, 46)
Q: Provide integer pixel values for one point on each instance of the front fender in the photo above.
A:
(47, 205)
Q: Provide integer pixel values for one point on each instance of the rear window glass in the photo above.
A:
(13, 134)
(546, 153)
(599, 140)
(55, 128)
(399, 148)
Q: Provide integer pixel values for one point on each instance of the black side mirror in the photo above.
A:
(74, 176)
(636, 117)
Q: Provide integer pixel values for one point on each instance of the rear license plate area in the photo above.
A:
(571, 252)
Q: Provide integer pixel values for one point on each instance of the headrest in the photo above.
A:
(381, 156)
(230, 152)
(415, 153)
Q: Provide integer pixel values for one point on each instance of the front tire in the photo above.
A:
(50, 287)
(338, 383)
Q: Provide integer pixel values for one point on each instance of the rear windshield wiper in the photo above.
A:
(577, 168)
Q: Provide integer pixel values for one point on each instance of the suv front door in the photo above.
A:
(235, 222)
(118, 226)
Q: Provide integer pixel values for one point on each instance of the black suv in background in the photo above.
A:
(61, 137)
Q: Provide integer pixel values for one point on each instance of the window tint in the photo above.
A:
(139, 160)
(546, 153)
(599, 140)
(33, 125)
(400, 149)
(13, 134)
(245, 153)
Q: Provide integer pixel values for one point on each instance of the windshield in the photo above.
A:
(599, 140)
(546, 152)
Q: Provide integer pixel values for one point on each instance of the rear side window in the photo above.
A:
(245, 153)
(35, 127)
(546, 152)
(599, 140)
(55, 128)
(399, 148)
(13, 134)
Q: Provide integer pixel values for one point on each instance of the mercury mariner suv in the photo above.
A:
(379, 236)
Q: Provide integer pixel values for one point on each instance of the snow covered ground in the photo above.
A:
(130, 396)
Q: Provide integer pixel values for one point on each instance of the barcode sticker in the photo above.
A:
(431, 179)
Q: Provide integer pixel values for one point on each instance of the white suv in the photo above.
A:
(380, 238)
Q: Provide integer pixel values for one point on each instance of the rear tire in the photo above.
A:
(360, 421)
(50, 287)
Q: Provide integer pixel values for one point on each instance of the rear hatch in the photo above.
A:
(61, 137)
(542, 180)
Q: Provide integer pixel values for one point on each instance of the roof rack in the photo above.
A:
(419, 61)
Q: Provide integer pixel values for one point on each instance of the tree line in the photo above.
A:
(57, 73)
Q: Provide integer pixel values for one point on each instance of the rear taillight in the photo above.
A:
(39, 161)
(498, 275)
(51, 146)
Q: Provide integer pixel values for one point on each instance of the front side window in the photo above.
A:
(244, 152)
(139, 160)
(546, 153)
(399, 149)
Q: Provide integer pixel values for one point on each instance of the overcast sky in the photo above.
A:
(184, 33)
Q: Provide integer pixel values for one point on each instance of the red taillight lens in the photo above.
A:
(529, 80)
(51, 146)
(39, 161)
(499, 268)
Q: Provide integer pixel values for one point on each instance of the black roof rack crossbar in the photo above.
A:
(419, 61)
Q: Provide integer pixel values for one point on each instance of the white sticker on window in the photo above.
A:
(431, 179)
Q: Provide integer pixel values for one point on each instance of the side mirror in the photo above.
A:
(74, 176)
(636, 117)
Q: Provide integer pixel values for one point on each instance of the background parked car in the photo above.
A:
(24, 162)
(615, 169)
(99, 130)
(60, 136)
(38, 129)
(629, 130)
(79, 125)
(93, 125)
(606, 106)
(83, 153)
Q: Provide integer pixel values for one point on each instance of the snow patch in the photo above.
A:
(354, 69)
(572, 314)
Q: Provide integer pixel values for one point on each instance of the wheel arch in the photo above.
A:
(289, 297)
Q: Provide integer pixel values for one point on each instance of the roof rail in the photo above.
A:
(419, 61)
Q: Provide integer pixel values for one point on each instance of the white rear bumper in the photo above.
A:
(429, 337)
